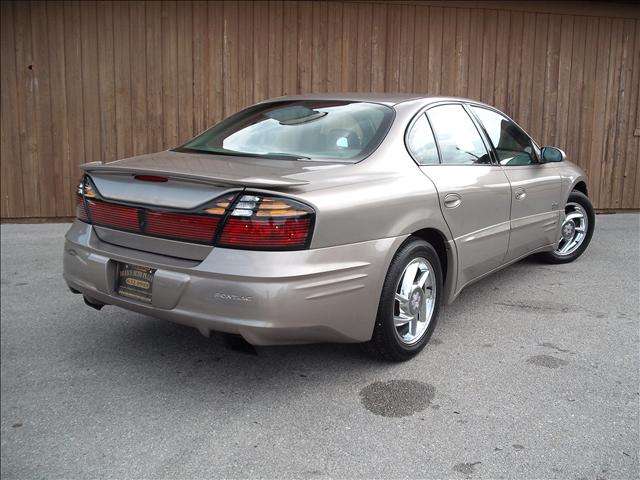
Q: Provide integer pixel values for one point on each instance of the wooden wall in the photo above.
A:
(85, 81)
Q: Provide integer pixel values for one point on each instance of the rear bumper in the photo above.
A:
(321, 295)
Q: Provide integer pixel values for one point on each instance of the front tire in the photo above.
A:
(409, 303)
(576, 230)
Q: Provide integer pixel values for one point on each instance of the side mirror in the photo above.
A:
(552, 154)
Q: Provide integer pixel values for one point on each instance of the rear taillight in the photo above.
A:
(107, 214)
(93, 210)
(267, 223)
(81, 210)
(199, 228)
(253, 221)
(85, 190)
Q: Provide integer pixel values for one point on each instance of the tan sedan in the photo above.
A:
(325, 218)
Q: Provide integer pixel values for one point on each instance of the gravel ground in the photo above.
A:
(531, 373)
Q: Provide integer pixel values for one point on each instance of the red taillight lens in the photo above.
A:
(267, 223)
(81, 211)
(268, 232)
(201, 228)
(106, 214)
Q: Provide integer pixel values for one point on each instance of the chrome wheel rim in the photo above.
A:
(414, 301)
(573, 230)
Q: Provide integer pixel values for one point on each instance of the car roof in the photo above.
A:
(383, 98)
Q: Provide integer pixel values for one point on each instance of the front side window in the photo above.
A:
(307, 129)
(459, 141)
(513, 146)
(421, 143)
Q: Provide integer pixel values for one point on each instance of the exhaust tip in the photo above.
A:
(238, 344)
(93, 303)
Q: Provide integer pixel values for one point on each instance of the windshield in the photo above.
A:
(307, 130)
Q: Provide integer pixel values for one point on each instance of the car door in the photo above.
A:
(474, 193)
(536, 186)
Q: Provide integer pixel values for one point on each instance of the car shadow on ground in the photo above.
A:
(166, 352)
(170, 352)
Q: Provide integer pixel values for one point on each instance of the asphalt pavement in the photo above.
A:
(533, 372)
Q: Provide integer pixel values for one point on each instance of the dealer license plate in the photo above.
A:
(135, 281)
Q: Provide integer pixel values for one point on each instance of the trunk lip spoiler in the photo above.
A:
(253, 182)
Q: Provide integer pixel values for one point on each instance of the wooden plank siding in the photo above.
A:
(84, 81)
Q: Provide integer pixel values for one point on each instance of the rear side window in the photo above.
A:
(513, 146)
(421, 143)
(459, 140)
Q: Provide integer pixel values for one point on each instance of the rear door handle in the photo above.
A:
(521, 194)
(452, 200)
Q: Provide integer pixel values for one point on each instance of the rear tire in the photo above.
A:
(573, 242)
(409, 292)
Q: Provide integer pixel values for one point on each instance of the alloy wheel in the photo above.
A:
(574, 229)
(414, 301)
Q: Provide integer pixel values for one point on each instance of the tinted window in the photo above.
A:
(512, 145)
(458, 139)
(421, 142)
(324, 130)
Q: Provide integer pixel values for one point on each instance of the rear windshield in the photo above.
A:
(306, 130)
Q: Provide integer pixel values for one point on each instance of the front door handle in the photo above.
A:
(452, 200)
(521, 194)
